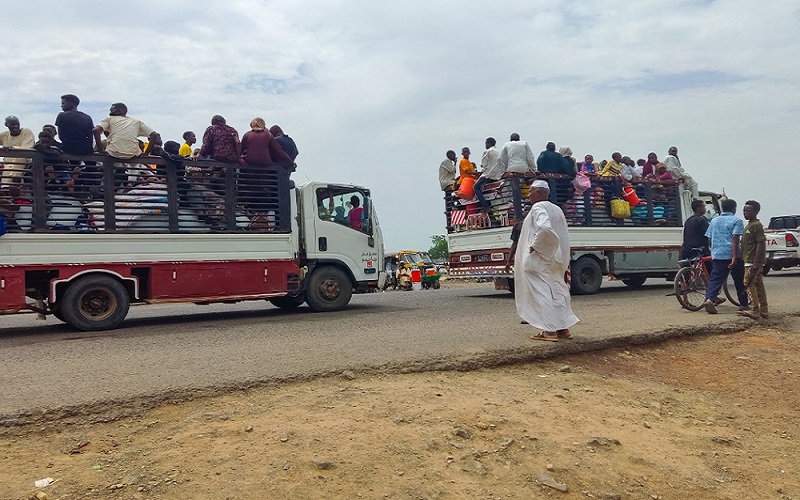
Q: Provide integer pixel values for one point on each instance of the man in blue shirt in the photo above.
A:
(724, 233)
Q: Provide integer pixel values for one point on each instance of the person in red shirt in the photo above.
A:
(355, 213)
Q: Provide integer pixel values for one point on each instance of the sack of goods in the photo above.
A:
(620, 209)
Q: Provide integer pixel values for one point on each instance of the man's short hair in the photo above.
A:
(697, 204)
(11, 118)
(45, 133)
(186, 135)
(71, 98)
(122, 107)
(753, 203)
(729, 205)
(515, 136)
(490, 141)
(355, 201)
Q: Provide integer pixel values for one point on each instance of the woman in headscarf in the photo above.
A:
(566, 152)
(259, 150)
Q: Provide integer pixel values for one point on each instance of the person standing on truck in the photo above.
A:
(447, 182)
(541, 268)
(75, 128)
(754, 250)
(492, 171)
(724, 233)
(673, 164)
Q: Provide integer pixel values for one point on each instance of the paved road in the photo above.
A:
(165, 352)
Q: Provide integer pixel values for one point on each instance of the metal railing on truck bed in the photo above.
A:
(659, 203)
(147, 194)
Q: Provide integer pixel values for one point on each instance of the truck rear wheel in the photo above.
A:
(289, 301)
(766, 270)
(586, 276)
(328, 289)
(95, 303)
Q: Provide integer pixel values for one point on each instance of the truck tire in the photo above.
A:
(55, 310)
(586, 276)
(328, 289)
(289, 302)
(766, 270)
(634, 281)
(95, 303)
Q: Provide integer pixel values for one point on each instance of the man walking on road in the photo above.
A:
(724, 233)
(541, 268)
(754, 250)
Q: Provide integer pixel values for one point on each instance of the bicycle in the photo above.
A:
(692, 280)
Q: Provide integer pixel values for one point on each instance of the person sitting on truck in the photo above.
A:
(287, 143)
(516, 156)
(189, 139)
(588, 167)
(260, 148)
(465, 167)
(650, 167)
(15, 137)
(58, 174)
(221, 142)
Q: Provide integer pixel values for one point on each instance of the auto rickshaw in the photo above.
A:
(398, 274)
(421, 261)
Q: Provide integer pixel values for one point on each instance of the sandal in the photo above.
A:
(545, 336)
(564, 334)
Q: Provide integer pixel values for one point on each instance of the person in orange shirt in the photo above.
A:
(465, 167)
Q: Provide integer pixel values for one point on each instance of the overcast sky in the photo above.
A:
(375, 92)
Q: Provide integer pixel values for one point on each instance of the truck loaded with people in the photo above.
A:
(84, 235)
(625, 218)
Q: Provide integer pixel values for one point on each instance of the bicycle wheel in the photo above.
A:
(690, 288)
(730, 291)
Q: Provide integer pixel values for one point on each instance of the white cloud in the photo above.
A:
(375, 93)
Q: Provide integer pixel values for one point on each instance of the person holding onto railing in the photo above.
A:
(447, 182)
(754, 250)
(551, 161)
(724, 233)
(673, 164)
(15, 137)
(221, 142)
(123, 139)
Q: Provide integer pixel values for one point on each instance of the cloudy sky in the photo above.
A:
(375, 92)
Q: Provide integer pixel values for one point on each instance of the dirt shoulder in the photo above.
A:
(702, 417)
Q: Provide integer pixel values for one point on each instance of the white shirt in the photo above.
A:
(492, 168)
(123, 136)
(447, 174)
(517, 157)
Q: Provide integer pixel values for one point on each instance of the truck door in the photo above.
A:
(344, 231)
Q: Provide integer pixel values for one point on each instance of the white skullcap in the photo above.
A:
(541, 184)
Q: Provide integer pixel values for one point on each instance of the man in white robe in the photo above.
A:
(673, 164)
(541, 265)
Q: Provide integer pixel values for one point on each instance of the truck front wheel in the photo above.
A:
(95, 303)
(329, 289)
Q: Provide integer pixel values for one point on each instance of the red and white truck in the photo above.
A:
(86, 237)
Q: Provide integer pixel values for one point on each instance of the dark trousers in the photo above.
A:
(719, 274)
(737, 273)
(479, 194)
